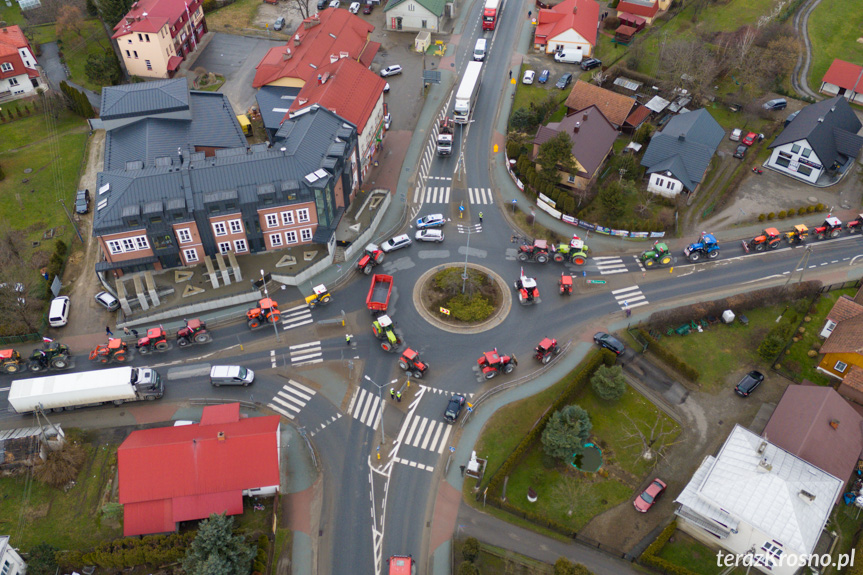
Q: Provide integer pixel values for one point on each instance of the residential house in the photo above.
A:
(844, 79)
(646, 9)
(414, 15)
(569, 26)
(844, 346)
(592, 137)
(677, 158)
(821, 140)
(755, 498)
(25, 446)
(155, 36)
(636, 118)
(844, 308)
(810, 417)
(10, 561)
(185, 473)
(19, 72)
(615, 107)
(180, 184)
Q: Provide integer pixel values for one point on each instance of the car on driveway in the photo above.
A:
(107, 301)
(564, 81)
(608, 341)
(749, 383)
(775, 104)
(735, 135)
(279, 24)
(741, 151)
(391, 70)
(334, 4)
(528, 77)
(590, 64)
(750, 138)
(82, 202)
(395, 243)
(431, 221)
(367, 8)
(543, 77)
(354, 7)
(649, 496)
(429, 236)
(453, 408)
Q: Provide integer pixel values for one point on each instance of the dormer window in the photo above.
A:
(6, 67)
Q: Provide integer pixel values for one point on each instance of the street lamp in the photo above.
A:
(466, 252)
(381, 399)
(267, 295)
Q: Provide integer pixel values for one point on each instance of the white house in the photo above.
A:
(10, 562)
(757, 501)
(567, 27)
(821, 138)
(414, 15)
(19, 75)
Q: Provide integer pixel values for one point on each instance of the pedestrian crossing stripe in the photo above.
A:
(479, 195)
(306, 353)
(442, 195)
(291, 398)
(296, 316)
(638, 262)
(365, 407)
(428, 434)
(610, 265)
(410, 463)
(326, 424)
(629, 297)
(445, 391)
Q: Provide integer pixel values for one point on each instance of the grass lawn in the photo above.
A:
(496, 560)
(834, 27)
(536, 93)
(683, 550)
(68, 520)
(77, 48)
(236, 16)
(845, 521)
(12, 14)
(43, 33)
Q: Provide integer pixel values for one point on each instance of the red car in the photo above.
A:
(649, 496)
(750, 138)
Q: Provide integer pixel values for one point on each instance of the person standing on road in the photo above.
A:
(392, 393)
(347, 339)
(108, 331)
(480, 217)
(399, 396)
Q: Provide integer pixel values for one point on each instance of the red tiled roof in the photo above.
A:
(637, 116)
(845, 75)
(337, 31)
(614, 106)
(625, 30)
(579, 15)
(14, 36)
(638, 9)
(11, 39)
(631, 19)
(149, 16)
(853, 379)
(847, 337)
(350, 90)
(844, 308)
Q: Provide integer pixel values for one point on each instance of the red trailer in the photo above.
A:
(379, 293)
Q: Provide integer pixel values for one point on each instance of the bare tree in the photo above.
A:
(304, 7)
(599, 77)
(571, 493)
(650, 437)
(69, 19)
(776, 61)
(20, 311)
(689, 63)
(741, 50)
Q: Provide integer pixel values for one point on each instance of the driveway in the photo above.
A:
(55, 72)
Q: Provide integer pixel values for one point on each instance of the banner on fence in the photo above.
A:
(548, 209)
(547, 200)
(620, 233)
(657, 234)
(640, 235)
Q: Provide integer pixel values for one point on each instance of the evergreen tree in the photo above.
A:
(112, 11)
(92, 9)
(217, 551)
(103, 69)
(566, 431)
(608, 383)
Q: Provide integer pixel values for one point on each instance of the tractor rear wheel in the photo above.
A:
(546, 358)
(542, 258)
(713, 255)
(579, 261)
(522, 257)
(417, 374)
(60, 362)
(694, 256)
(649, 263)
(508, 368)
(162, 346)
(203, 338)
(490, 374)
(665, 260)
(835, 233)
(403, 366)
(254, 323)
(368, 269)
(759, 247)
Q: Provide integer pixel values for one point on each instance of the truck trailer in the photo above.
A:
(69, 391)
(465, 97)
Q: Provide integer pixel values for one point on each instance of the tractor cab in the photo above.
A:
(831, 227)
(321, 296)
(528, 292)
(154, 334)
(770, 233)
(798, 234)
(372, 256)
(491, 357)
(576, 243)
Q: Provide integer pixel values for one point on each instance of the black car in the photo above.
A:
(564, 81)
(608, 341)
(453, 408)
(749, 383)
(590, 64)
(82, 202)
(741, 151)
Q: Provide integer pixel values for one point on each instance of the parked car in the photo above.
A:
(367, 8)
(543, 77)
(749, 383)
(649, 496)
(528, 77)
(608, 341)
(322, 4)
(735, 135)
(429, 236)
(391, 70)
(564, 81)
(453, 408)
(58, 313)
(431, 221)
(280, 23)
(107, 301)
(740, 153)
(354, 7)
(388, 120)
(790, 118)
(750, 138)
(775, 104)
(387, 88)
(590, 64)
(334, 4)
(82, 202)
(395, 243)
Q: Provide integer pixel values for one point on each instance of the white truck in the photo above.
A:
(465, 97)
(444, 137)
(72, 390)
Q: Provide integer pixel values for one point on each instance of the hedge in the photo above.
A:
(669, 358)
(128, 552)
(651, 554)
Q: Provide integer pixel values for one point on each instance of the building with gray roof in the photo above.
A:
(822, 141)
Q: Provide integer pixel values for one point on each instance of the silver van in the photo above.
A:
(479, 50)
(231, 375)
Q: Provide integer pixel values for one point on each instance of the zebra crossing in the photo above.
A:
(610, 265)
(441, 195)
(629, 297)
(365, 407)
(296, 316)
(479, 195)
(306, 353)
(427, 434)
(291, 398)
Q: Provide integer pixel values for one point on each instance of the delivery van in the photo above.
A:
(568, 56)
(231, 375)
(479, 50)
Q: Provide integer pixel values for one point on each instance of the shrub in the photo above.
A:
(651, 554)
(513, 149)
(773, 342)
(771, 215)
(468, 568)
(820, 207)
(608, 383)
(464, 308)
(801, 211)
(566, 432)
(782, 215)
(810, 209)
(470, 549)
(762, 217)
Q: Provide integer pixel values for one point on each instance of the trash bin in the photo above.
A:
(728, 316)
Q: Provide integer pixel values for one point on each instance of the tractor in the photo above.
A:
(528, 292)
(575, 252)
(383, 329)
(53, 355)
(115, 350)
(831, 228)
(856, 225)
(11, 361)
(155, 340)
(371, 257)
(195, 331)
(412, 365)
(658, 254)
(320, 297)
(491, 363)
(769, 238)
(546, 349)
(797, 235)
(565, 284)
(535, 252)
(266, 312)
(705, 246)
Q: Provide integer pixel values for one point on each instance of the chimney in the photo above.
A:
(5, 31)
(325, 77)
(287, 55)
(575, 9)
(320, 80)
(834, 423)
(806, 496)
(821, 119)
(180, 153)
(296, 39)
(311, 22)
(576, 127)
(333, 58)
(221, 436)
(682, 137)
(584, 117)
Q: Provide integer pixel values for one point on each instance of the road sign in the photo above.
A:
(431, 76)
(451, 449)
(444, 311)
(596, 281)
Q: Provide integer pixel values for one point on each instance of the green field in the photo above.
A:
(834, 27)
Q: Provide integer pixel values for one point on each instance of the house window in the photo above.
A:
(275, 240)
(303, 215)
(149, 66)
(147, 37)
(805, 170)
(129, 41)
(840, 366)
(831, 325)
(240, 246)
(141, 243)
(795, 149)
(773, 551)
(140, 38)
(128, 55)
(184, 236)
(411, 7)
(423, 24)
(659, 182)
(128, 244)
(291, 237)
(670, 185)
(571, 179)
(784, 162)
(224, 247)
(135, 52)
(115, 247)
(806, 152)
(306, 234)
(191, 255)
(236, 226)
(272, 220)
(219, 229)
(6, 67)
(13, 81)
(287, 218)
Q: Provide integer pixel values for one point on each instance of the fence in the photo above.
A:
(10, 339)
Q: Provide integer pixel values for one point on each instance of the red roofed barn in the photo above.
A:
(18, 73)
(647, 9)
(173, 474)
(570, 26)
(155, 36)
(844, 79)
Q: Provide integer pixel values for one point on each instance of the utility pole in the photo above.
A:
(68, 215)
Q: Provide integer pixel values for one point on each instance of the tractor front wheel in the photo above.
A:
(490, 374)
(254, 323)
(713, 255)
(546, 358)
(60, 362)
(835, 233)
(508, 368)
(522, 257)
(144, 350)
(417, 374)
(368, 269)
(120, 357)
(325, 300)
(403, 366)
(162, 346)
(759, 248)
(183, 342)
(36, 367)
(542, 258)
(694, 256)
(558, 258)
(649, 263)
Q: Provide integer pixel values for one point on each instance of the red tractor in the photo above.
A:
(155, 340)
(195, 331)
(371, 257)
(114, 350)
(536, 252)
(266, 312)
(412, 365)
(565, 284)
(528, 292)
(831, 228)
(491, 363)
(855, 226)
(546, 349)
(769, 238)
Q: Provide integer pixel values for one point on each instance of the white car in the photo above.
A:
(355, 7)
(334, 4)
(431, 221)
(388, 120)
(529, 75)
(395, 243)
(386, 87)
(429, 236)
(392, 70)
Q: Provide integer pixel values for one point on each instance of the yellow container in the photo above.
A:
(245, 124)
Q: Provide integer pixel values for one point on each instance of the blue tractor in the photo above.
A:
(705, 246)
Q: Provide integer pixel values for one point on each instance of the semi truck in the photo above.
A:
(444, 137)
(72, 390)
(465, 97)
(490, 14)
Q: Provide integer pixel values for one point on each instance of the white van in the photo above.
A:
(570, 56)
(58, 313)
(231, 375)
(479, 50)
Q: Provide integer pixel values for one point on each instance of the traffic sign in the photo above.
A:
(596, 281)
(451, 449)
(444, 311)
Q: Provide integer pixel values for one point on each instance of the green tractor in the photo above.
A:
(658, 254)
(383, 329)
(53, 355)
(575, 252)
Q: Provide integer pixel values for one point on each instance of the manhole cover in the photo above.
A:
(28, 170)
(812, 199)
